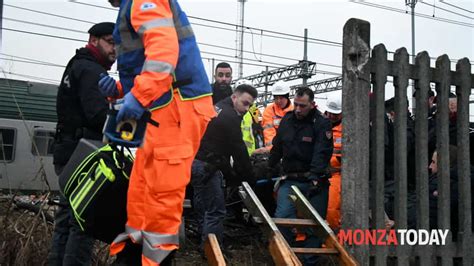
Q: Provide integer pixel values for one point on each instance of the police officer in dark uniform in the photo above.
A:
(81, 111)
(304, 142)
(223, 139)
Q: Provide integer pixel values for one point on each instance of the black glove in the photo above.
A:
(314, 189)
(317, 182)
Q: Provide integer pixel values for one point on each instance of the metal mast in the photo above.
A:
(412, 4)
(240, 40)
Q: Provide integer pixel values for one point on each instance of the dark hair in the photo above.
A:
(248, 89)
(223, 65)
(430, 93)
(390, 104)
(302, 91)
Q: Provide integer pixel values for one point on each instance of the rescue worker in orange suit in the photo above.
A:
(160, 69)
(334, 114)
(273, 114)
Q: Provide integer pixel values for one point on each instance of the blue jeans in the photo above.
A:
(70, 245)
(287, 209)
(208, 200)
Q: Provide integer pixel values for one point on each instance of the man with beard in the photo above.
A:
(81, 110)
(221, 88)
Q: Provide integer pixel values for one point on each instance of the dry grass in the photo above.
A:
(25, 236)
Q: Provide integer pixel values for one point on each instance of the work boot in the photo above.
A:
(131, 255)
(168, 261)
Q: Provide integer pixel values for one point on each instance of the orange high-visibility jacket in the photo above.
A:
(272, 116)
(333, 215)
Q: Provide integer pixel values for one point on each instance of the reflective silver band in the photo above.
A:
(157, 66)
(155, 23)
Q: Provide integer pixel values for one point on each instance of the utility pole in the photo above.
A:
(1, 23)
(240, 40)
(412, 4)
(305, 57)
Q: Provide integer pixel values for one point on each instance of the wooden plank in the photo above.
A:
(278, 246)
(316, 251)
(213, 251)
(377, 138)
(307, 210)
(298, 223)
(280, 253)
(422, 85)
(344, 257)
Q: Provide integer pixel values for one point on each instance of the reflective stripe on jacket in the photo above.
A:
(247, 132)
(163, 29)
(337, 152)
(271, 121)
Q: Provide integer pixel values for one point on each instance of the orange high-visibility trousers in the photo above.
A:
(161, 171)
(333, 215)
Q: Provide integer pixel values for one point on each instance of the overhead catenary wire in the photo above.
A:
(446, 10)
(200, 43)
(233, 25)
(393, 9)
(49, 81)
(211, 45)
(79, 40)
(30, 62)
(44, 25)
(215, 21)
(455, 6)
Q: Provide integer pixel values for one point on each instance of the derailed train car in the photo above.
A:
(27, 128)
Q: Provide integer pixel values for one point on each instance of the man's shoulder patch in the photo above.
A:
(329, 134)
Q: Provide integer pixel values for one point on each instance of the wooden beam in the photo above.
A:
(213, 251)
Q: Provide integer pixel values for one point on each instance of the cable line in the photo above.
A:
(446, 10)
(416, 14)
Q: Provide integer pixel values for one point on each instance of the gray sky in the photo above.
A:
(323, 19)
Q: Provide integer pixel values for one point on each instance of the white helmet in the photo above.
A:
(242, 82)
(280, 88)
(334, 104)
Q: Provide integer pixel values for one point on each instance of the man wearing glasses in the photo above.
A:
(304, 144)
(81, 110)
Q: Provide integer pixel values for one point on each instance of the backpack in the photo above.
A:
(95, 183)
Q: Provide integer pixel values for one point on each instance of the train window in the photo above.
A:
(7, 144)
(44, 142)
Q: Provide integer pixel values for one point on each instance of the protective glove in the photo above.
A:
(108, 86)
(317, 182)
(131, 108)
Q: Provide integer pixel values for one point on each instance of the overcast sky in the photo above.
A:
(323, 19)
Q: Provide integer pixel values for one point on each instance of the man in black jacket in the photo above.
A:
(223, 139)
(221, 88)
(81, 110)
(305, 145)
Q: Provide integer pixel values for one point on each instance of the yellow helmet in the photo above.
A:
(255, 112)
